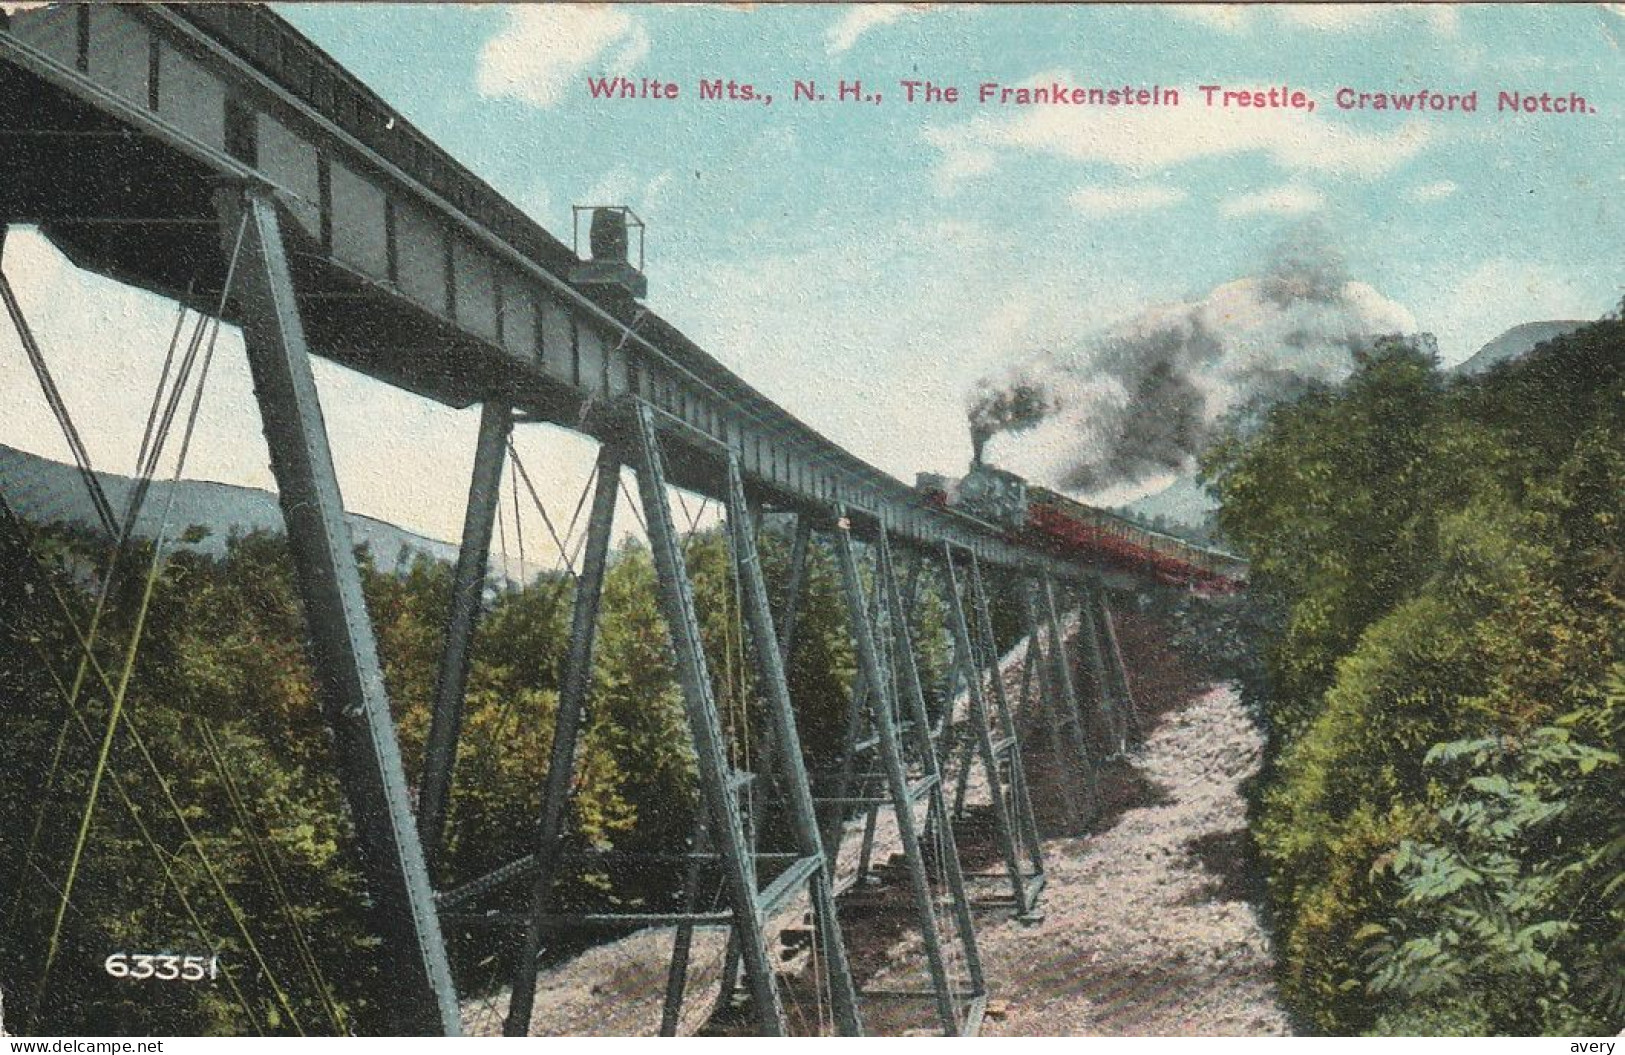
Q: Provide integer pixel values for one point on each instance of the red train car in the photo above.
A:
(1038, 516)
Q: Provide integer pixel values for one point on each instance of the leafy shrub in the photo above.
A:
(1437, 563)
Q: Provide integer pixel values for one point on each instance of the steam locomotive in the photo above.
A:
(1037, 516)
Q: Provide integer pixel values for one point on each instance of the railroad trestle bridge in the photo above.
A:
(212, 155)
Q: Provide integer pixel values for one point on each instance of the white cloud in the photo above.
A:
(961, 162)
(1336, 18)
(1474, 308)
(1286, 200)
(1342, 18)
(621, 186)
(1228, 17)
(1143, 139)
(544, 47)
(1443, 18)
(1111, 201)
(923, 309)
(860, 19)
(1438, 190)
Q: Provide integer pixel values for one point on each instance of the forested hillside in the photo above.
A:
(1438, 565)
(220, 825)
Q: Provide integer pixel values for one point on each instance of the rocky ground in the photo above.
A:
(1147, 930)
(1148, 925)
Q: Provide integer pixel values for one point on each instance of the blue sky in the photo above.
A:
(867, 264)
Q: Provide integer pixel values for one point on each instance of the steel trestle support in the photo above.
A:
(1025, 826)
(1062, 673)
(468, 587)
(958, 1010)
(1103, 682)
(1124, 706)
(724, 823)
(770, 661)
(574, 683)
(977, 655)
(343, 649)
(1061, 719)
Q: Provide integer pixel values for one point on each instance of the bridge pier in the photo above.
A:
(770, 655)
(467, 595)
(724, 822)
(1114, 700)
(1062, 668)
(1001, 755)
(958, 1010)
(1061, 716)
(1130, 730)
(574, 684)
(343, 650)
(925, 738)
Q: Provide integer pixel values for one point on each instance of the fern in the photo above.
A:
(1505, 906)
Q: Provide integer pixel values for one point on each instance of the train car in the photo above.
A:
(1039, 516)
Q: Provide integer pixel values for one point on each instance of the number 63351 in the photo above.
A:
(162, 966)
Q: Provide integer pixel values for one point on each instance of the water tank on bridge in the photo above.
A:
(610, 231)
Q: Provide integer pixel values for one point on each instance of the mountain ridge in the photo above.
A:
(1186, 504)
(47, 490)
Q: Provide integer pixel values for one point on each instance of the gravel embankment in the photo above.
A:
(1147, 928)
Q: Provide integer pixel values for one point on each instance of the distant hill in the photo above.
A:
(49, 491)
(1520, 340)
(1183, 505)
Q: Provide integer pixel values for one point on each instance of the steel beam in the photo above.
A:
(467, 590)
(775, 685)
(573, 688)
(725, 826)
(1025, 824)
(682, 943)
(1069, 692)
(343, 650)
(1050, 699)
(1129, 716)
(982, 729)
(939, 827)
(789, 615)
(833, 823)
(884, 712)
(1095, 653)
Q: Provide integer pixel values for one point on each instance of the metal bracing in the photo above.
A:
(682, 943)
(855, 788)
(573, 685)
(775, 686)
(1126, 708)
(1097, 655)
(925, 741)
(343, 650)
(1061, 719)
(1021, 803)
(851, 787)
(958, 1011)
(724, 823)
(791, 611)
(467, 588)
(1062, 668)
(1000, 755)
(776, 743)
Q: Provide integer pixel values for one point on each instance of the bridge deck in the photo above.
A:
(409, 268)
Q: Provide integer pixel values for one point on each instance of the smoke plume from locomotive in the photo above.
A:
(1143, 399)
(1012, 407)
